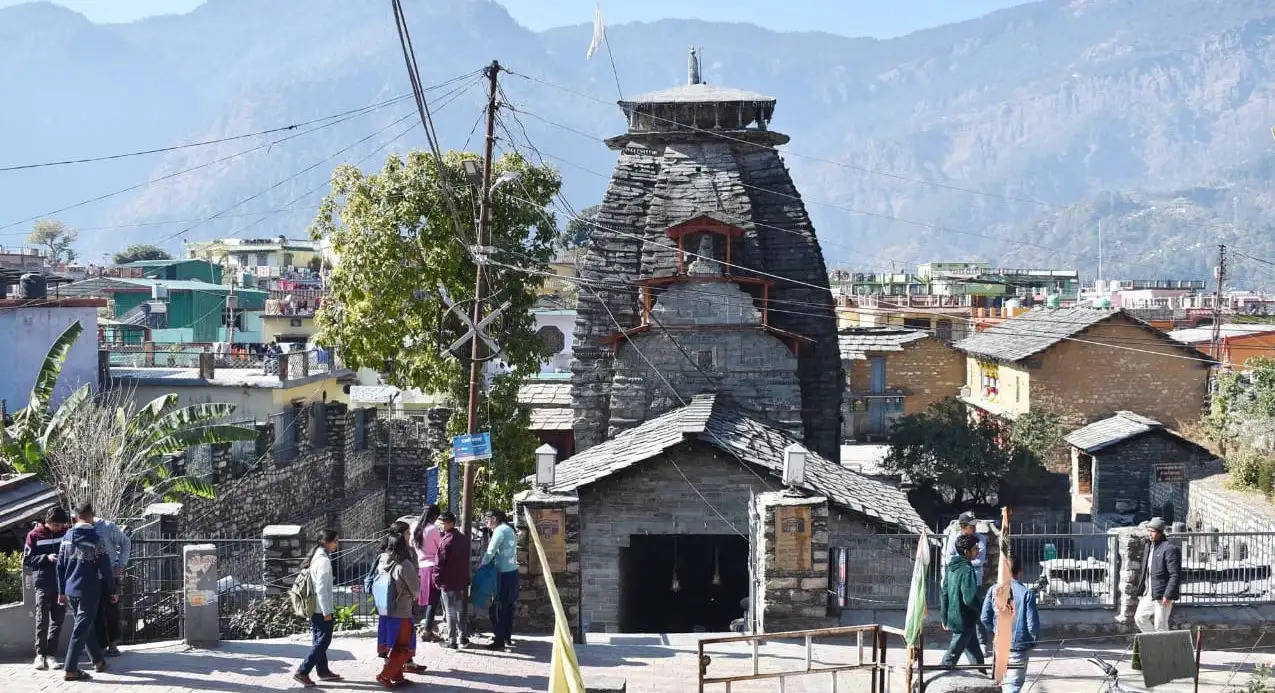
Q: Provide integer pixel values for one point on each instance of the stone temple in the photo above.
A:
(704, 275)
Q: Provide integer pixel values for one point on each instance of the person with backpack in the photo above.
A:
(395, 591)
(85, 577)
(39, 558)
(311, 596)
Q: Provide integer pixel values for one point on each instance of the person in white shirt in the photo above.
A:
(320, 566)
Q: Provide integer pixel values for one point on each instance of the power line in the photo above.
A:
(189, 145)
(267, 145)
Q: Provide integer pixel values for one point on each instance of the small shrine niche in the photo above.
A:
(701, 237)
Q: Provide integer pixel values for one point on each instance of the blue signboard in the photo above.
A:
(471, 446)
(431, 485)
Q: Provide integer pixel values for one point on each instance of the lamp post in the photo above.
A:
(546, 460)
(794, 473)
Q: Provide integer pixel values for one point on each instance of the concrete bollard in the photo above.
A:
(199, 589)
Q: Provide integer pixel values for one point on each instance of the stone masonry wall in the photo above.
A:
(409, 448)
(754, 368)
(1085, 382)
(652, 498)
(792, 599)
(1213, 505)
(1125, 471)
(365, 518)
(928, 370)
(535, 609)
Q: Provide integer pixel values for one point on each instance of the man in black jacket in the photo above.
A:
(1159, 579)
(39, 557)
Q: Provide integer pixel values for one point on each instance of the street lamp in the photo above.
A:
(794, 473)
(546, 459)
(473, 172)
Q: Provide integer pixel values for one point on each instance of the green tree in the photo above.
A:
(578, 227)
(56, 238)
(141, 251)
(945, 452)
(396, 243)
(1036, 437)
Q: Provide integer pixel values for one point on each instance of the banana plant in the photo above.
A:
(21, 442)
(131, 460)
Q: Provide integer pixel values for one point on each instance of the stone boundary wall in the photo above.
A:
(364, 518)
(1213, 505)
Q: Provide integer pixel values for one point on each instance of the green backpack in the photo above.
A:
(301, 594)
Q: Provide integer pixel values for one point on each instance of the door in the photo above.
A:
(876, 388)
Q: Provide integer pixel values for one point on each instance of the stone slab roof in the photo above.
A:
(712, 420)
(698, 93)
(855, 343)
(1123, 426)
(551, 419)
(543, 394)
(1032, 332)
(23, 500)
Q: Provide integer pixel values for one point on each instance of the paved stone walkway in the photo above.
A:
(649, 663)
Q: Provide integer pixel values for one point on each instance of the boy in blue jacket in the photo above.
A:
(85, 577)
(39, 558)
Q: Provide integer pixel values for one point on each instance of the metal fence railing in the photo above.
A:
(1069, 570)
(294, 364)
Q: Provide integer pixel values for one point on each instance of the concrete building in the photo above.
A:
(655, 557)
(1083, 364)
(258, 389)
(30, 326)
(179, 311)
(893, 372)
(704, 154)
(276, 255)
(1128, 468)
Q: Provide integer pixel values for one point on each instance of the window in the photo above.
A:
(704, 358)
(263, 260)
(287, 260)
(551, 340)
(285, 435)
(944, 330)
(989, 381)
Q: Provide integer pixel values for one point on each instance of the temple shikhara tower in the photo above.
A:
(704, 275)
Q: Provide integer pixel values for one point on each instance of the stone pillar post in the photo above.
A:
(1125, 563)
(282, 550)
(557, 518)
(162, 520)
(199, 587)
(207, 365)
(792, 562)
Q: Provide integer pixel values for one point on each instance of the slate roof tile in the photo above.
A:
(716, 423)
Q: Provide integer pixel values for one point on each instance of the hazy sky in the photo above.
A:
(880, 18)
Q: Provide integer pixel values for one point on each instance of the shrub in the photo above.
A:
(270, 617)
(1245, 466)
(10, 577)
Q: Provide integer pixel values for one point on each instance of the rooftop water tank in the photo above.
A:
(1102, 302)
(1053, 301)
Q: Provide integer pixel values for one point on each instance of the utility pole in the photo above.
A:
(484, 221)
(1215, 343)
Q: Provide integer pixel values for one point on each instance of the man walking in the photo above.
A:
(958, 607)
(39, 557)
(118, 547)
(1026, 626)
(502, 553)
(85, 577)
(968, 523)
(453, 579)
(1159, 579)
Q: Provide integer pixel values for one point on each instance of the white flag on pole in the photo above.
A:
(599, 32)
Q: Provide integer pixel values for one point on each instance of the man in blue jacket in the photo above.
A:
(39, 558)
(1026, 626)
(86, 576)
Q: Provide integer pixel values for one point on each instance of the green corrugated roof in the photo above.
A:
(160, 263)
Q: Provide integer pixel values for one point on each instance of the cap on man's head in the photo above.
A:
(1157, 523)
(967, 518)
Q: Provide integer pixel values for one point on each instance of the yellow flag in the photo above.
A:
(564, 670)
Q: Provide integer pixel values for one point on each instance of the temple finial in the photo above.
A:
(692, 68)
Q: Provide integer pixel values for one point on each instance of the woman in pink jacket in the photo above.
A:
(425, 542)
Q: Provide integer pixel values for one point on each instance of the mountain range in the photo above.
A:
(1005, 138)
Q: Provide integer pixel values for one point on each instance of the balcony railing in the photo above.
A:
(287, 365)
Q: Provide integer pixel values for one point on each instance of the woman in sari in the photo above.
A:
(395, 636)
